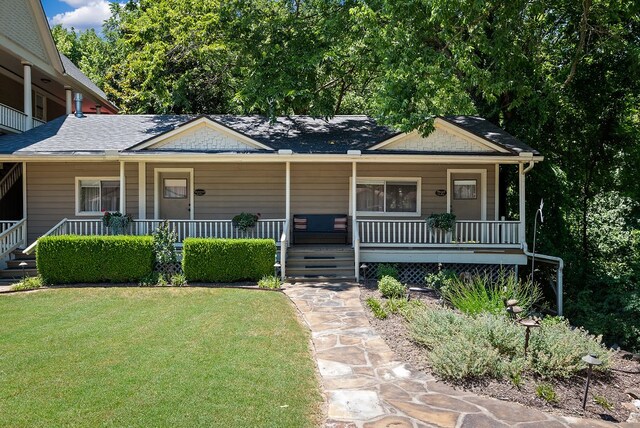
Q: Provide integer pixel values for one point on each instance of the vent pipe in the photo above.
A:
(78, 100)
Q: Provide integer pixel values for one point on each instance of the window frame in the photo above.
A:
(78, 180)
(384, 180)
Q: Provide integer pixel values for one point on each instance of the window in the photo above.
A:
(98, 195)
(175, 188)
(388, 196)
(464, 189)
(39, 106)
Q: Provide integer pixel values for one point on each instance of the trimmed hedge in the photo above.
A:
(71, 259)
(227, 260)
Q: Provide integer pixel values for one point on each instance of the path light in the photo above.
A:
(591, 361)
(23, 265)
(276, 266)
(528, 323)
(512, 308)
(363, 268)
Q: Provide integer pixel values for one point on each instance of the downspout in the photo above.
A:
(529, 168)
(560, 263)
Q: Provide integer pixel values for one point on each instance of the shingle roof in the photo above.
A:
(302, 134)
(484, 129)
(75, 73)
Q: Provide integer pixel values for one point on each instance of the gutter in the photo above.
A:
(553, 260)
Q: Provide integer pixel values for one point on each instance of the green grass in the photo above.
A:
(179, 357)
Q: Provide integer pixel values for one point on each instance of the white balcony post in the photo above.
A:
(142, 190)
(521, 210)
(354, 176)
(68, 100)
(123, 205)
(28, 107)
(287, 208)
(98, 109)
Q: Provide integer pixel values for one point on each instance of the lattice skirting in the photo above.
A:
(414, 273)
(168, 269)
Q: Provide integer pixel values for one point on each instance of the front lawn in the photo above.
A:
(154, 357)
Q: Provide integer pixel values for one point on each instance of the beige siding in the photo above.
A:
(51, 191)
(231, 188)
(320, 188)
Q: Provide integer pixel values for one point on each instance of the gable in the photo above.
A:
(203, 135)
(439, 140)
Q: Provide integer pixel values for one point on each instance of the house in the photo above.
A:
(200, 171)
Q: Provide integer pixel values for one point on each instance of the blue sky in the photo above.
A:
(79, 14)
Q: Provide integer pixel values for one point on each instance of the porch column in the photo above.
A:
(142, 190)
(496, 193)
(28, 108)
(24, 203)
(521, 209)
(123, 205)
(68, 100)
(287, 208)
(98, 109)
(356, 248)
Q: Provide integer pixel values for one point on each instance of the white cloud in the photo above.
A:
(89, 14)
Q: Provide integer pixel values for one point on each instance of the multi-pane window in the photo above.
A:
(95, 195)
(388, 196)
(175, 188)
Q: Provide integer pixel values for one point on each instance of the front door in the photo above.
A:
(466, 196)
(175, 190)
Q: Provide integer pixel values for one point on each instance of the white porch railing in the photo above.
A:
(267, 229)
(9, 180)
(416, 233)
(15, 119)
(12, 236)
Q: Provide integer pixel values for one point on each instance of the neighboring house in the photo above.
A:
(37, 84)
(201, 171)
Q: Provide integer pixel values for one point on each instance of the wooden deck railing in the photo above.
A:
(267, 229)
(15, 119)
(12, 236)
(416, 233)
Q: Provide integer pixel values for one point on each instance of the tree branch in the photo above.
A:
(584, 21)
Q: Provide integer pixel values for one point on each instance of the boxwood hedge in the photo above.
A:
(72, 259)
(227, 260)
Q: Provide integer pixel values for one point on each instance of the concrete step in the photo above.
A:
(31, 263)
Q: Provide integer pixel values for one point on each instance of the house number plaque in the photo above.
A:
(441, 192)
(199, 192)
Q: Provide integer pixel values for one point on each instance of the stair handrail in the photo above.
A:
(13, 174)
(12, 238)
(356, 249)
(53, 231)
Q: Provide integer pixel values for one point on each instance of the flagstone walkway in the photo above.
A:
(366, 386)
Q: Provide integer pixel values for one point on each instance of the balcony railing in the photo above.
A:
(15, 119)
(416, 233)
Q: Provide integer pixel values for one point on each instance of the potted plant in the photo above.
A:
(116, 222)
(245, 221)
(442, 221)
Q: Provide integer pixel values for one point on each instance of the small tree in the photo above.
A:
(164, 240)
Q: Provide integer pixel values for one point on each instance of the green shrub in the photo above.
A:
(164, 240)
(441, 279)
(150, 280)
(391, 287)
(69, 259)
(270, 282)
(178, 280)
(386, 269)
(546, 392)
(556, 349)
(28, 283)
(443, 221)
(482, 294)
(227, 260)
(376, 308)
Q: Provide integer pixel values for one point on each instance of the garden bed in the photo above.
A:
(624, 374)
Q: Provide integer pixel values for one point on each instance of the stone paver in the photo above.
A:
(366, 386)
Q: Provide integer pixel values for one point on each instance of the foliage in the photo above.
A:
(377, 309)
(492, 346)
(391, 287)
(387, 269)
(443, 221)
(602, 401)
(245, 221)
(271, 282)
(227, 260)
(546, 392)
(441, 279)
(178, 280)
(120, 350)
(164, 240)
(116, 222)
(28, 283)
(482, 294)
(150, 280)
(74, 259)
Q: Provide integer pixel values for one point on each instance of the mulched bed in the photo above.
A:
(624, 376)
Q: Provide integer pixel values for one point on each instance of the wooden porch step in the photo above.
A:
(320, 263)
(17, 273)
(324, 278)
(19, 255)
(31, 263)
